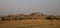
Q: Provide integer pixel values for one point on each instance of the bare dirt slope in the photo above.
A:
(33, 23)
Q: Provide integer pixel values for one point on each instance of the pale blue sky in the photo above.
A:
(51, 7)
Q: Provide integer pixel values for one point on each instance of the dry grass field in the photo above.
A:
(31, 23)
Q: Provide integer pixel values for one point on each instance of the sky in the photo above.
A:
(50, 7)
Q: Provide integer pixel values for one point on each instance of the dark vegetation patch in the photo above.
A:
(52, 18)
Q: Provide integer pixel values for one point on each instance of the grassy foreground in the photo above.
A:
(32, 23)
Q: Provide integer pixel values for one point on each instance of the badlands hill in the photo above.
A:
(35, 15)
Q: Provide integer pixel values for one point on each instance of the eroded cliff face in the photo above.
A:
(38, 15)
